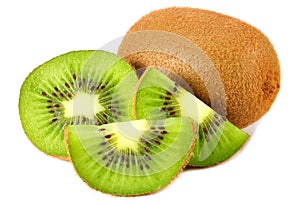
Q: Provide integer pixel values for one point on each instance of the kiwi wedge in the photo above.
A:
(80, 87)
(158, 97)
(131, 158)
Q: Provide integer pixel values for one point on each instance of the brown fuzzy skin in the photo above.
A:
(244, 57)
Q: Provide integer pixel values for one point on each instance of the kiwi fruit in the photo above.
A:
(158, 97)
(242, 55)
(79, 87)
(131, 158)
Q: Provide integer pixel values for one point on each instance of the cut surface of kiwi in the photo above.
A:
(158, 97)
(80, 87)
(131, 158)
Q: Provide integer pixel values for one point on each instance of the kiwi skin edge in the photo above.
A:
(195, 130)
(225, 161)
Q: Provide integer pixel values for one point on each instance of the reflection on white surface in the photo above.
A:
(113, 45)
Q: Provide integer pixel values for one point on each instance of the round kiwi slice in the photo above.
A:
(158, 97)
(80, 87)
(131, 158)
(243, 56)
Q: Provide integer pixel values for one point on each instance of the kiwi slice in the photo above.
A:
(158, 97)
(131, 158)
(80, 87)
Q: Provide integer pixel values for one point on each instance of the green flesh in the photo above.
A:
(158, 97)
(81, 87)
(131, 158)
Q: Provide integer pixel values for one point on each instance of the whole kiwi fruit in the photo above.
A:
(242, 55)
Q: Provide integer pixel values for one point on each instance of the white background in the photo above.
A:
(32, 32)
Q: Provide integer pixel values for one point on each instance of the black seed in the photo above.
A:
(167, 98)
(107, 136)
(172, 113)
(146, 149)
(49, 101)
(51, 111)
(174, 89)
(100, 152)
(56, 105)
(119, 113)
(102, 143)
(49, 106)
(69, 95)
(67, 85)
(164, 132)
(217, 123)
(122, 158)
(211, 131)
(107, 164)
(54, 119)
(112, 110)
(110, 153)
(111, 159)
(166, 103)
(83, 120)
(141, 167)
(170, 108)
(104, 157)
(44, 94)
(147, 166)
(104, 115)
(74, 76)
(160, 137)
(54, 94)
(56, 89)
(156, 142)
(101, 129)
(204, 130)
(148, 157)
(92, 88)
(162, 109)
(168, 93)
(161, 128)
(143, 140)
(115, 117)
(79, 84)
(104, 122)
(206, 138)
(102, 87)
(152, 128)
